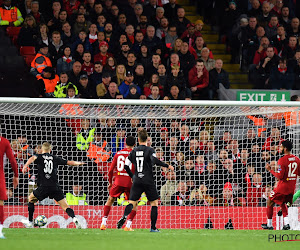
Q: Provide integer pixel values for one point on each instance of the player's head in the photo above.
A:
(286, 146)
(130, 141)
(46, 147)
(142, 134)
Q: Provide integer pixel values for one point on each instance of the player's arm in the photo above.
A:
(13, 164)
(127, 168)
(160, 163)
(111, 171)
(30, 161)
(281, 172)
(75, 163)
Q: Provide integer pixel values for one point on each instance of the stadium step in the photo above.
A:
(238, 77)
(193, 18)
(224, 57)
(210, 38)
(183, 2)
(230, 68)
(241, 86)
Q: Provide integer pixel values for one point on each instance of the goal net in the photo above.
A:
(219, 152)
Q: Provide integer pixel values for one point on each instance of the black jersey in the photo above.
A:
(143, 158)
(47, 169)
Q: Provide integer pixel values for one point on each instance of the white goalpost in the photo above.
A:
(219, 151)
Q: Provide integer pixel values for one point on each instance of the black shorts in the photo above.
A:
(52, 192)
(138, 188)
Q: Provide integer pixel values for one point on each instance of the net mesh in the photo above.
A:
(219, 154)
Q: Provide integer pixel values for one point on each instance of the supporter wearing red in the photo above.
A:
(190, 34)
(260, 54)
(47, 82)
(198, 80)
(71, 6)
(289, 50)
(294, 28)
(222, 143)
(93, 37)
(227, 199)
(288, 170)
(9, 15)
(38, 16)
(28, 33)
(85, 88)
(101, 88)
(6, 149)
(75, 73)
(103, 54)
(282, 77)
(182, 196)
(180, 21)
(274, 137)
(87, 66)
(271, 28)
(56, 48)
(41, 61)
(65, 63)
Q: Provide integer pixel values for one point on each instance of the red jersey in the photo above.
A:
(288, 170)
(121, 177)
(6, 149)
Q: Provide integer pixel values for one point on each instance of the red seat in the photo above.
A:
(27, 50)
(29, 59)
(13, 31)
(15, 41)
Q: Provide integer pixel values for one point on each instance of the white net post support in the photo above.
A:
(219, 151)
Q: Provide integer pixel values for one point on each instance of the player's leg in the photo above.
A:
(270, 206)
(154, 214)
(132, 204)
(130, 216)
(284, 208)
(1, 218)
(31, 200)
(110, 201)
(64, 205)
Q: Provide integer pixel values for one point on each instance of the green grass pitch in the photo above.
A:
(65, 239)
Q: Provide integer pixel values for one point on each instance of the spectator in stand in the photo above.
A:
(139, 77)
(85, 89)
(181, 197)
(187, 60)
(282, 77)
(294, 28)
(199, 26)
(227, 198)
(260, 54)
(265, 16)
(87, 66)
(101, 88)
(251, 138)
(203, 139)
(150, 9)
(131, 62)
(81, 24)
(133, 92)
(150, 40)
(124, 87)
(67, 36)
(122, 56)
(162, 30)
(260, 76)
(181, 21)
(100, 23)
(255, 190)
(43, 37)
(112, 91)
(71, 6)
(75, 73)
(223, 142)
(176, 78)
(170, 37)
(110, 66)
(47, 82)
(162, 74)
(108, 31)
(271, 28)
(284, 19)
(41, 61)
(199, 45)
(118, 140)
(296, 66)
(65, 63)
(103, 55)
(275, 137)
(190, 34)
(279, 40)
(154, 93)
(63, 85)
(211, 152)
(9, 15)
(96, 77)
(277, 9)
(216, 76)
(62, 18)
(96, 44)
(193, 150)
(138, 42)
(53, 16)
(28, 33)
(157, 19)
(78, 54)
(135, 19)
(184, 138)
(154, 79)
(82, 39)
(168, 189)
(255, 10)
(55, 48)
(171, 9)
(38, 16)
(290, 49)
(199, 79)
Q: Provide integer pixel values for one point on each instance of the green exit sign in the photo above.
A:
(275, 96)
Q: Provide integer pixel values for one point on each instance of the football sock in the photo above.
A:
(30, 211)
(106, 211)
(269, 223)
(270, 212)
(128, 210)
(285, 220)
(1, 214)
(104, 221)
(1, 227)
(284, 210)
(296, 196)
(153, 216)
(70, 212)
(128, 224)
(130, 218)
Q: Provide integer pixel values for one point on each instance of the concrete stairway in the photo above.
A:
(238, 80)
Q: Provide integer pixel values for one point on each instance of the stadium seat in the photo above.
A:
(27, 50)
(13, 31)
(29, 59)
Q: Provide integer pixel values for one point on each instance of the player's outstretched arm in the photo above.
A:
(158, 162)
(126, 167)
(26, 166)
(75, 163)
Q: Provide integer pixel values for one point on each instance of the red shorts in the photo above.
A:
(3, 191)
(116, 191)
(279, 198)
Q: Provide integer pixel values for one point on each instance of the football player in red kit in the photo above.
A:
(288, 170)
(122, 182)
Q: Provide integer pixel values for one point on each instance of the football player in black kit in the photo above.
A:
(143, 158)
(47, 182)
